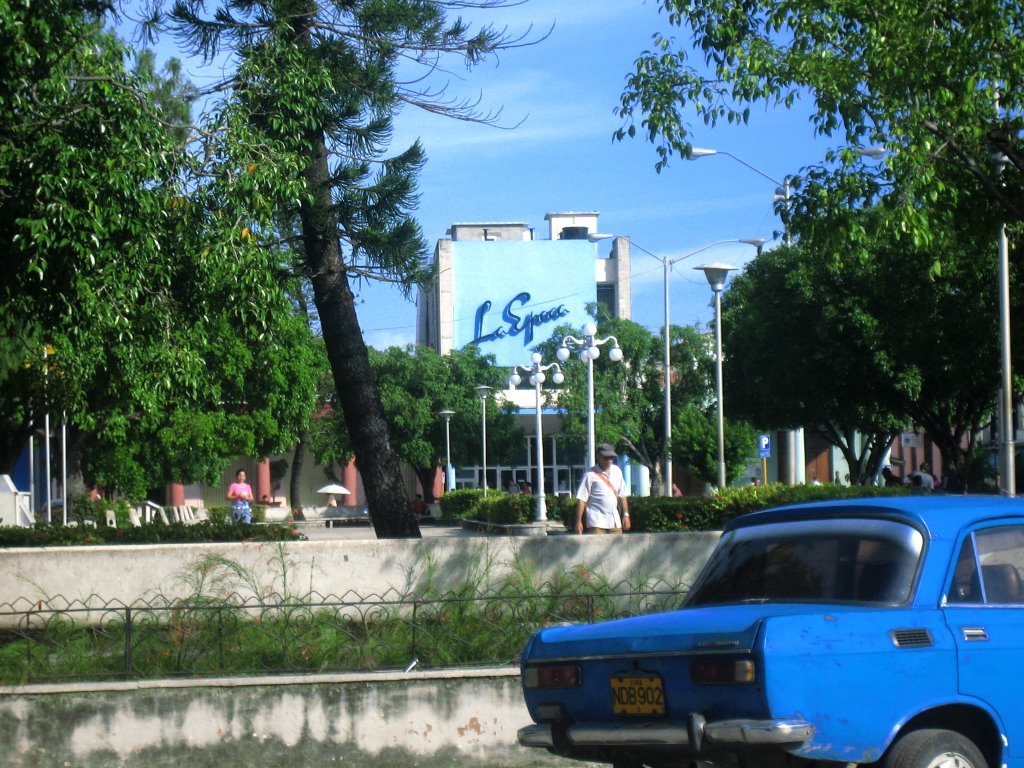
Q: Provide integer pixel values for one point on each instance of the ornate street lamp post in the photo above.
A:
(537, 377)
(589, 352)
(482, 390)
(447, 416)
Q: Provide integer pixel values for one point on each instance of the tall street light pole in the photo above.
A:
(589, 352)
(536, 373)
(667, 263)
(482, 390)
(782, 194)
(447, 416)
(1006, 433)
(1007, 467)
(716, 274)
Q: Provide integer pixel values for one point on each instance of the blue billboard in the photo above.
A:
(507, 297)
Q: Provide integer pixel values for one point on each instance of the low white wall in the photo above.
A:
(430, 719)
(360, 721)
(90, 576)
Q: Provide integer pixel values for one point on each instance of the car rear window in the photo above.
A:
(835, 560)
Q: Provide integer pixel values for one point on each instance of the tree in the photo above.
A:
(629, 396)
(310, 112)
(133, 306)
(938, 83)
(864, 349)
(802, 350)
(695, 412)
(416, 383)
(695, 442)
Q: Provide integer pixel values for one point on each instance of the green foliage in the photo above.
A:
(232, 621)
(415, 384)
(87, 511)
(695, 442)
(152, 533)
(630, 413)
(300, 142)
(690, 513)
(459, 504)
(904, 74)
(861, 349)
(137, 304)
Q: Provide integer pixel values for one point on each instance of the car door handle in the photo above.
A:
(974, 633)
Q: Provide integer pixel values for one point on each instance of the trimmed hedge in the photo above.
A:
(647, 513)
(218, 528)
(652, 513)
(695, 513)
(43, 535)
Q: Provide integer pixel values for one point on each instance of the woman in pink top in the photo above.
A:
(240, 494)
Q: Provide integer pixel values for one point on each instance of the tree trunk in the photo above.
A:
(349, 359)
(294, 486)
(426, 477)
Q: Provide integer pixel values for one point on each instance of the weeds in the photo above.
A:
(234, 622)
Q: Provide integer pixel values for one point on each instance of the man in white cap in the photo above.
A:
(599, 494)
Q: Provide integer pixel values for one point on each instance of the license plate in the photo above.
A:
(638, 695)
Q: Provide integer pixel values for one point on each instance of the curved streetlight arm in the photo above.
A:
(699, 152)
(757, 242)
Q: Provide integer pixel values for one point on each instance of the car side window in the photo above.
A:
(1001, 554)
(988, 568)
(966, 587)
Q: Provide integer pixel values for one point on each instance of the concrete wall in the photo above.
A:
(391, 720)
(387, 720)
(423, 719)
(91, 576)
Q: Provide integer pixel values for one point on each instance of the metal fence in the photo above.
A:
(245, 636)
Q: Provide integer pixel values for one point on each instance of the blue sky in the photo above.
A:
(560, 95)
(562, 157)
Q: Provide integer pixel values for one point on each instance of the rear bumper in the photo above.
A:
(695, 735)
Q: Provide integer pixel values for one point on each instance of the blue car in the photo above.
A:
(885, 630)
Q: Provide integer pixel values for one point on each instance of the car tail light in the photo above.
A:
(724, 671)
(562, 676)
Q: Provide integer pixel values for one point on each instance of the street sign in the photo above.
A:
(764, 446)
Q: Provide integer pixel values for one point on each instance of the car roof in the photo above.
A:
(940, 515)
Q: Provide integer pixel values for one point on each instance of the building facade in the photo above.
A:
(504, 288)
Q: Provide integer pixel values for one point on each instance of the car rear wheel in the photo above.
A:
(934, 748)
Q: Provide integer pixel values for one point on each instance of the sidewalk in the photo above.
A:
(319, 531)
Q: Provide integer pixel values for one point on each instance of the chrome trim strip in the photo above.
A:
(629, 734)
(759, 732)
(537, 735)
(654, 734)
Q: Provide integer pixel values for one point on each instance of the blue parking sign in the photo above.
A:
(764, 446)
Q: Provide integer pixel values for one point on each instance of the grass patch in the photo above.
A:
(233, 623)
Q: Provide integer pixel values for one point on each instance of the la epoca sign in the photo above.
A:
(513, 321)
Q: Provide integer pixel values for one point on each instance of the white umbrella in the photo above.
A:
(333, 488)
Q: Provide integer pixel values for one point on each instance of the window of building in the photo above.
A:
(606, 297)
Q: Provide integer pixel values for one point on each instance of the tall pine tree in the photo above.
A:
(308, 118)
